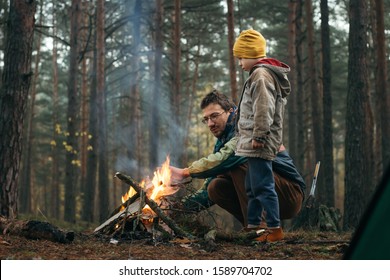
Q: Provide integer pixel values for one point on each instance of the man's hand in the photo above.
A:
(257, 144)
(179, 173)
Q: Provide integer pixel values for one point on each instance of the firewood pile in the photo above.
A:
(142, 217)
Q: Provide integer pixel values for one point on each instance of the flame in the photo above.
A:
(132, 192)
(159, 186)
(161, 180)
(129, 194)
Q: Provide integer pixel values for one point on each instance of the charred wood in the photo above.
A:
(35, 230)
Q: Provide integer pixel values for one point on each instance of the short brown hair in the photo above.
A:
(215, 97)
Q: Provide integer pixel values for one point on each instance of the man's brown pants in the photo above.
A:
(228, 191)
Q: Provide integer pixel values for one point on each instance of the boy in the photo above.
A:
(259, 126)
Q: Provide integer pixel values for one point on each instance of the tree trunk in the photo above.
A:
(72, 113)
(300, 158)
(55, 144)
(84, 35)
(135, 92)
(16, 80)
(102, 146)
(232, 64)
(359, 120)
(327, 162)
(315, 97)
(155, 103)
(293, 98)
(26, 186)
(92, 156)
(382, 93)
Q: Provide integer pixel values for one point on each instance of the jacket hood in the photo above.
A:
(279, 70)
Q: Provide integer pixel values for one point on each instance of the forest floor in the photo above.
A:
(297, 245)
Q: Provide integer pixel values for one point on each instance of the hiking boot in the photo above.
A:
(271, 235)
(259, 227)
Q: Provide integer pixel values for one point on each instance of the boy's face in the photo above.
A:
(247, 63)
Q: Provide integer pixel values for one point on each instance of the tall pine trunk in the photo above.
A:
(232, 64)
(315, 97)
(101, 98)
(26, 186)
(72, 119)
(327, 162)
(382, 93)
(88, 213)
(154, 133)
(300, 91)
(55, 152)
(293, 98)
(137, 120)
(86, 53)
(16, 80)
(359, 121)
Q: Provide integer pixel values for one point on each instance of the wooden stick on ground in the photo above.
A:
(237, 236)
(153, 205)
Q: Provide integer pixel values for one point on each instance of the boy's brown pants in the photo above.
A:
(228, 191)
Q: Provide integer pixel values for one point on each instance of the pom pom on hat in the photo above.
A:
(250, 44)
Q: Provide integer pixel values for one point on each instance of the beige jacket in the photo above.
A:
(261, 110)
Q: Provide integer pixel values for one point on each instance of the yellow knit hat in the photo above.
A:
(250, 44)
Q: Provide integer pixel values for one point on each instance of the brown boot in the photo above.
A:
(271, 235)
(262, 225)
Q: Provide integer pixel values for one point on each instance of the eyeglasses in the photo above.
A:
(213, 117)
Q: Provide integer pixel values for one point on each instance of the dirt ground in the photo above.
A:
(89, 245)
(298, 245)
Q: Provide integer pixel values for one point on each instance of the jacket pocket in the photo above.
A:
(244, 144)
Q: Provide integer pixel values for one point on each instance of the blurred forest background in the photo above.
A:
(107, 86)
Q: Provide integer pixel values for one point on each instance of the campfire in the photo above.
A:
(144, 213)
(156, 189)
(144, 207)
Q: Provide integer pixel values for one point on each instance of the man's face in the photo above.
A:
(215, 118)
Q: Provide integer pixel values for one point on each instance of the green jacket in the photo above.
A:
(219, 162)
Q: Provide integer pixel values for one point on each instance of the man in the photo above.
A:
(225, 172)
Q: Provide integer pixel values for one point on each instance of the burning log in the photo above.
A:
(154, 206)
(35, 230)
